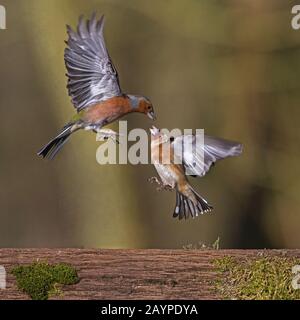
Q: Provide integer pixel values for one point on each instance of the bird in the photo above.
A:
(93, 85)
(176, 157)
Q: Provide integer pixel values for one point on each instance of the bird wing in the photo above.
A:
(197, 158)
(92, 77)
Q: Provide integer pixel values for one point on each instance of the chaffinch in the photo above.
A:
(196, 162)
(93, 86)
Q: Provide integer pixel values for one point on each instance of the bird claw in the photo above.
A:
(105, 134)
(164, 187)
(114, 139)
(154, 180)
(161, 186)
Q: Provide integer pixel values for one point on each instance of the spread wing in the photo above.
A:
(92, 77)
(197, 158)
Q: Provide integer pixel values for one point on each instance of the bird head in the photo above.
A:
(143, 105)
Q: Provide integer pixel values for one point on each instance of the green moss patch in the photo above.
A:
(265, 278)
(41, 280)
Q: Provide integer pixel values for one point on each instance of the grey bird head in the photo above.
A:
(142, 104)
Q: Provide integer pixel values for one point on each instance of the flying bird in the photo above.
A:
(93, 86)
(173, 161)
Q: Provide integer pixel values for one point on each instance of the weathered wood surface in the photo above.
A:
(132, 274)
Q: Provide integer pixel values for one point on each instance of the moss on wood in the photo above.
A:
(41, 280)
(262, 278)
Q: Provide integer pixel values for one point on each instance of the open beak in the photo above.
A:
(151, 115)
(154, 130)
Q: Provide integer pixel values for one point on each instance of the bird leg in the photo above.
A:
(161, 186)
(104, 134)
(164, 187)
(154, 180)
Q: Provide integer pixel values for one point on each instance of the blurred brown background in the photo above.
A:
(230, 67)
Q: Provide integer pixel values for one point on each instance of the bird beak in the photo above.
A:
(151, 115)
(154, 131)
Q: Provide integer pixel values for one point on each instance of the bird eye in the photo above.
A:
(149, 107)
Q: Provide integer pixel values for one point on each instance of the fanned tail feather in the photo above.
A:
(186, 207)
(51, 149)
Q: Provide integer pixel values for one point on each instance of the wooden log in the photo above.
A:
(132, 274)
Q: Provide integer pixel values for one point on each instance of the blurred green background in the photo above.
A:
(229, 67)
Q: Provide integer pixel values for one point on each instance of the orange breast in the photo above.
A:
(166, 156)
(108, 110)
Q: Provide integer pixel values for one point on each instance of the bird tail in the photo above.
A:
(51, 148)
(190, 203)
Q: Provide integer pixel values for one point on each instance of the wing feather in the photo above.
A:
(198, 159)
(92, 77)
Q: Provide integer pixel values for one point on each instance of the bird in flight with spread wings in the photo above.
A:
(93, 86)
(183, 156)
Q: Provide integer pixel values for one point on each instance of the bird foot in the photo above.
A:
(154, 180)
(161, 186)
(164, 187)
(105, 134)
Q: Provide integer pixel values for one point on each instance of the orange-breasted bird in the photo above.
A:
(176, 160)
(93, 86)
